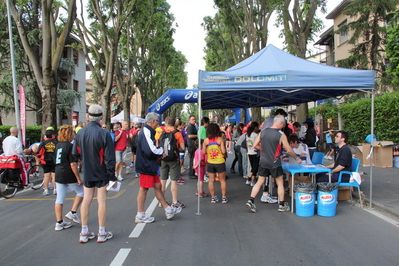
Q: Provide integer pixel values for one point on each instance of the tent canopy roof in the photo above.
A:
(273, 77)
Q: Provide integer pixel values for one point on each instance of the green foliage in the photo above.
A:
(33, 134)
(392, 50)
(357, 118)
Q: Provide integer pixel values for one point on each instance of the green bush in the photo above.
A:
(33, 134)
(357, 118)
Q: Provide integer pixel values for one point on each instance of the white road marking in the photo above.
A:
(140, 227)
(383, 217)
(120, 257)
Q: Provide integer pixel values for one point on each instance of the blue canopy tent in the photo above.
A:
(273, 77)
(231, 119)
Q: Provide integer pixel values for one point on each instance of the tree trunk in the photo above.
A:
(302, 113)
(256, 114)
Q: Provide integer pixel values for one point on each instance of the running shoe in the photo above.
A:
(214, 199)
(120, 178)
(45, 192)
(136, 175)
(250, 206)
(54, 192)
(224, 200)
(181, 181)
(232, 170)
(248, 182)
(103, 238)
(252, 183)
(63, 225)
(85, 238)
(145, 219)
(178, 204)
(266, 198)
(73, 217)
(169, 214)
(202, 194)
(284, 208)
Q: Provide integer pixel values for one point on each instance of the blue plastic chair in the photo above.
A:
(318, 158)
(354, 168)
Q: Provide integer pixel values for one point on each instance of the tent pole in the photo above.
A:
(371, 157)
(199, 146)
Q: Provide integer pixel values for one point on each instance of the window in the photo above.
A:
(76, 56)
(76, 85)
(343, 36)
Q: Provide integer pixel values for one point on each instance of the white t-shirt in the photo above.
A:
(250, 143)
(302, 148)
(12, 146)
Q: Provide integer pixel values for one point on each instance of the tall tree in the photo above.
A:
(368, 35)
(100, 42)
(44, 48)
(238, 30)
(299, 21)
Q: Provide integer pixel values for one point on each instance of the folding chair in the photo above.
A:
(354, 169)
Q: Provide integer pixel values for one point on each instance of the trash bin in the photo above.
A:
(327, 197)
(305, 194)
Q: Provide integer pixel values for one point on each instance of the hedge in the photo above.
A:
(356, 117)
(33, 134)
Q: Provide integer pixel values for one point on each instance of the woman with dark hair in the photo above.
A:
(215, 150)
(251, 135)
(310, 136)
(237, 150)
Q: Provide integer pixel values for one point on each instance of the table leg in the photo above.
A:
(292, 194)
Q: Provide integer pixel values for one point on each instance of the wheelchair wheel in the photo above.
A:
(36, 177)
(7, 186)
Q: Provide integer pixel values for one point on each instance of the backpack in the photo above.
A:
(133, 141)
(168, 142)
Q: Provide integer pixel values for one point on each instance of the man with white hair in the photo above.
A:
(147, 158)
(271, 141)
(96, 149)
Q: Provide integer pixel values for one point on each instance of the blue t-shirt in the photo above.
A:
(328, 138)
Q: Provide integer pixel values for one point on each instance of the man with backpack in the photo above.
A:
(172, 142)
(47, 159)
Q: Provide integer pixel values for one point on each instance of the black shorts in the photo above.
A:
(215, 168)
(330, 146)
(134, 150)
(276, 172)
(99, 184)
(48, 168)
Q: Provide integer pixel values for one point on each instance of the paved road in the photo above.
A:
(224, 234)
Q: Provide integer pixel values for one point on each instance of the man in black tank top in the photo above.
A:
(270, 142)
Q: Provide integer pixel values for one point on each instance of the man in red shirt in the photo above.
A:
(121, 140)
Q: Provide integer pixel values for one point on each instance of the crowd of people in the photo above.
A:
(158, 154)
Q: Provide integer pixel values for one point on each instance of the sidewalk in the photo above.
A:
(385, 194)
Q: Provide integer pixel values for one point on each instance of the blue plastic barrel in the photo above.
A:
(327, 203)
(304, 204)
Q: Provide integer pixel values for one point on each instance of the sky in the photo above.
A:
(189, 36)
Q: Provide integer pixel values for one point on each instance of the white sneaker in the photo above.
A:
(252, 183)
(45, 192)
(54, 192)
(172, 212)
(120, 178)
(63, 225)
(73, 217)
(266, 198)
(145, 219)
(248, 182)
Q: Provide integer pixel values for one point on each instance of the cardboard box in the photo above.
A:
(298, 179)
(383, 154)
(344, 193)
(361, 152)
